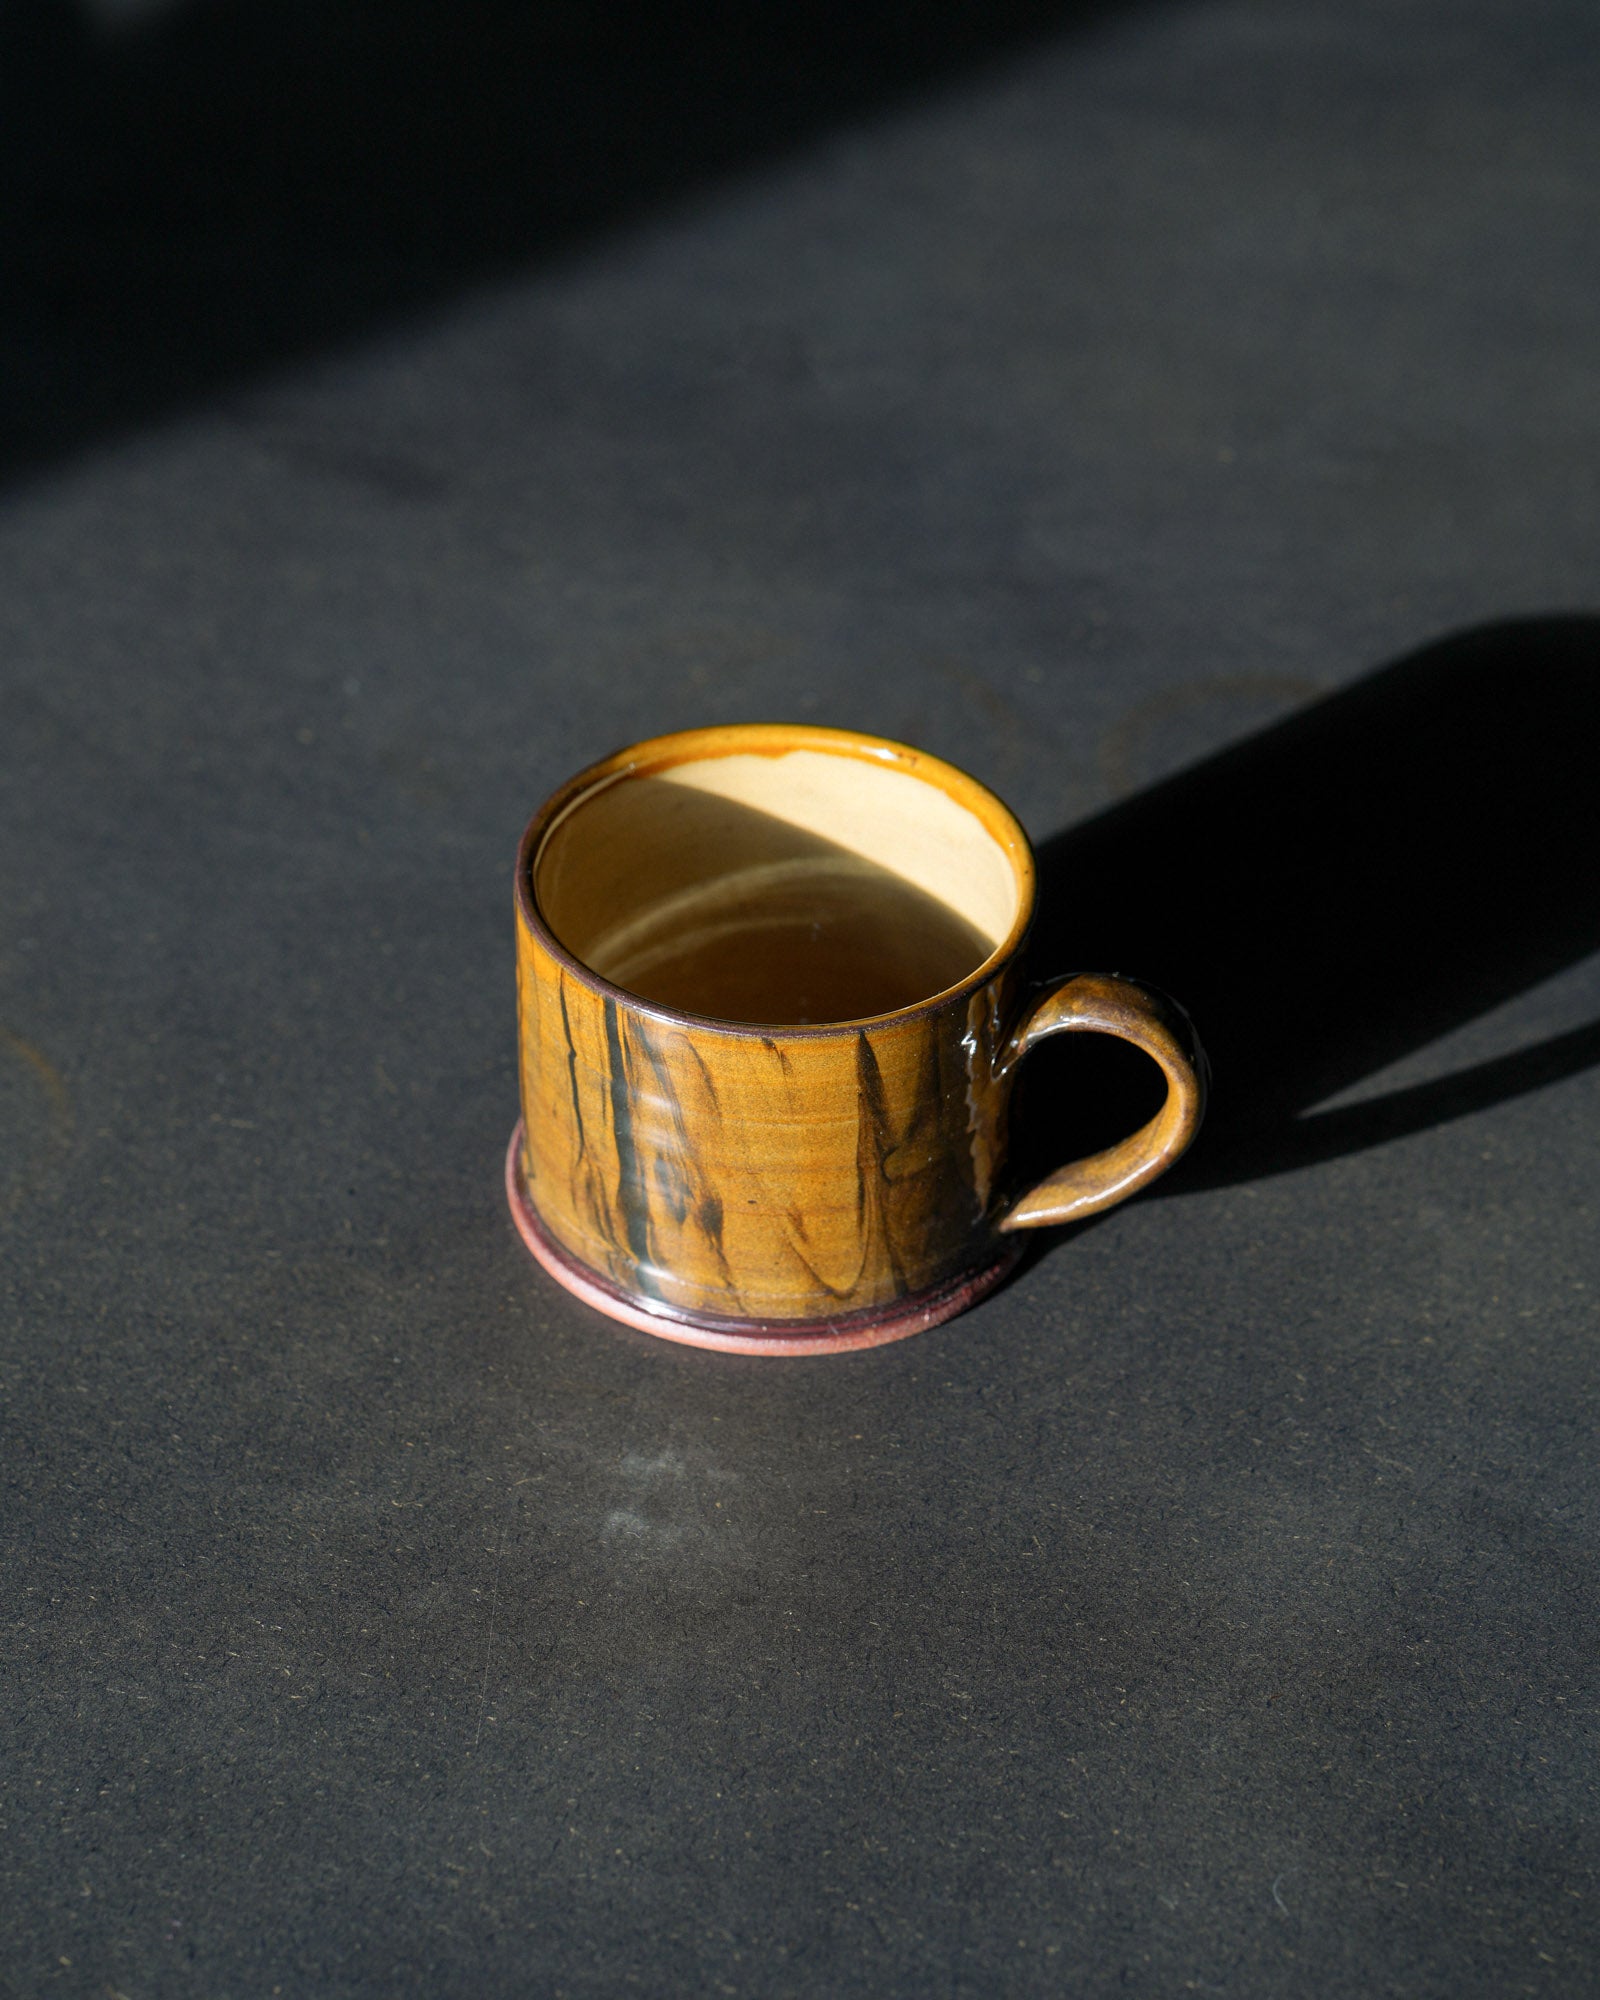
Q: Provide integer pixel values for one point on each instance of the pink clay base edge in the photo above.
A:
(872, 1328)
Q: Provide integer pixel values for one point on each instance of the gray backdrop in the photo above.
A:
(1185, 416)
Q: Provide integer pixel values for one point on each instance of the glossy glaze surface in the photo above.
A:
(839, 1333)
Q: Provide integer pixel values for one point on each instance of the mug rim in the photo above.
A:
(679, 746)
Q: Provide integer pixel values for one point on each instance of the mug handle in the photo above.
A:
(1100, 1003)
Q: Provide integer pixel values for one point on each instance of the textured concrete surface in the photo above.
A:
(1188, 418)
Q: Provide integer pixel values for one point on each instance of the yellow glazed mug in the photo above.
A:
(771, 1009)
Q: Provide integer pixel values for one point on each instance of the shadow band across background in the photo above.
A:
(1335, 893)
(228, 184)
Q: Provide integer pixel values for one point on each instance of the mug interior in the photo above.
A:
(785, 885)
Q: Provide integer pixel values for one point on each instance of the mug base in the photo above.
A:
(872, 1327)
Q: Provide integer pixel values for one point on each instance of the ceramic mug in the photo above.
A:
(771, 1010)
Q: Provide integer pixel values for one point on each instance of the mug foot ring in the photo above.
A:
(870, 1328)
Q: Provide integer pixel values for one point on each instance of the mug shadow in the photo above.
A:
(1334, 894)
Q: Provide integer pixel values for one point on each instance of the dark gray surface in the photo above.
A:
(1213, 1610)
